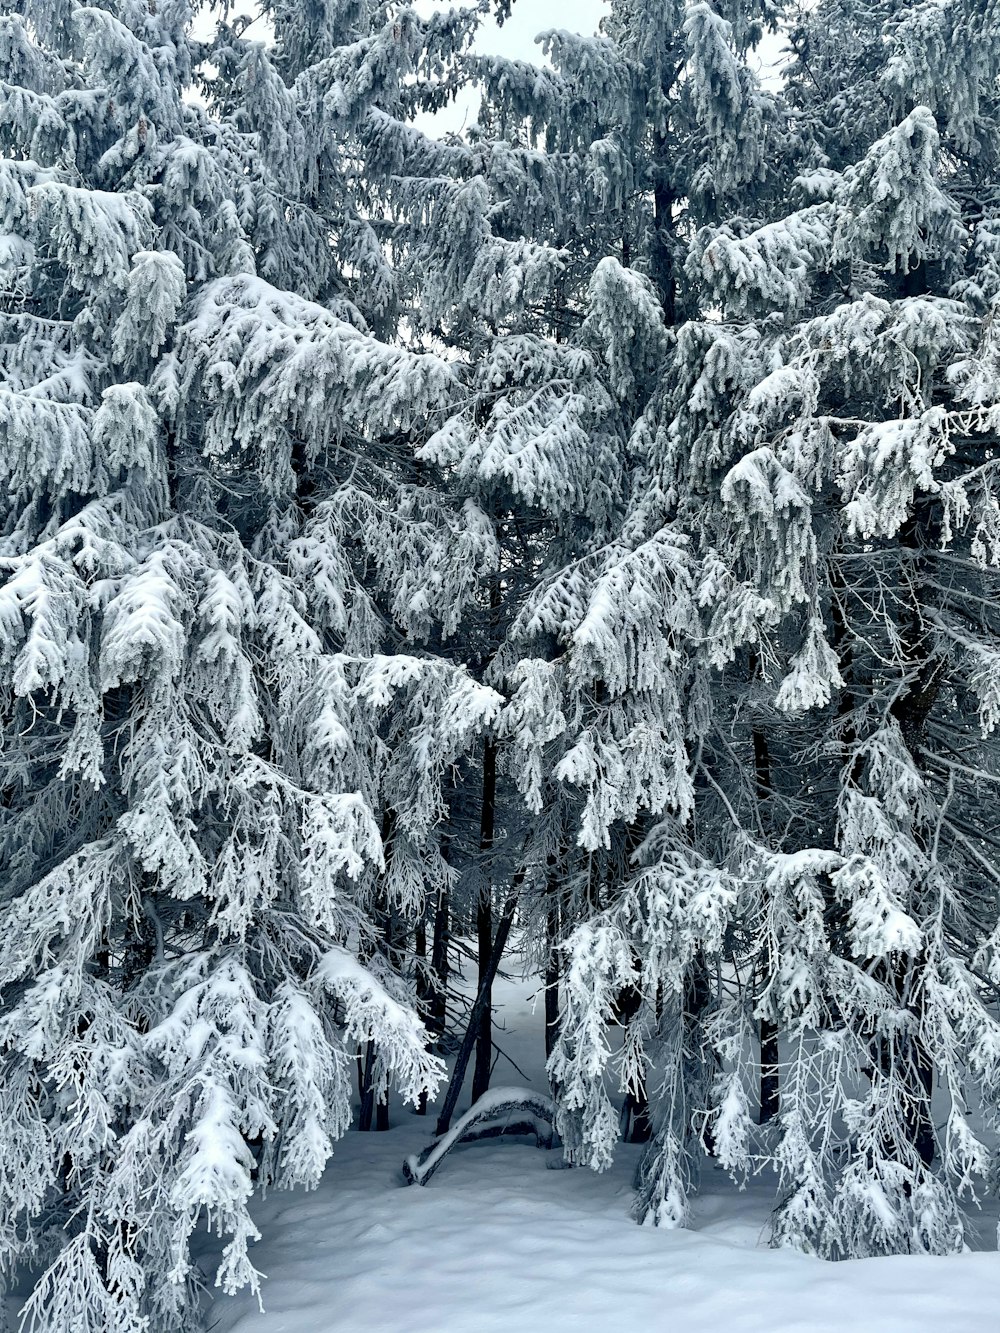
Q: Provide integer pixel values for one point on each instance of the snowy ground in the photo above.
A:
(496, 1241)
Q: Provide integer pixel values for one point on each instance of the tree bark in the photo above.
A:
(484, 923)
(663, 250)
(391, 947)
(552, 970)
(423, 991)
(911, 709)
(480, 1005)
(439, 964)
(769, 1102)
(367, 1091)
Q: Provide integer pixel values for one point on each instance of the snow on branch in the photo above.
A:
(500, 1111)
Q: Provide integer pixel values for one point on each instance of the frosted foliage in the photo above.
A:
(895, 208)
(216, 785)
(155, 293)
(595, 510)
(715, 70)
(635, 344)
(533, 719)
(813, 700)
(139, 78)
(814, 674)
(369, 1009)
(58, 448)
(895, 459)
(667, 915)
(424, 557)
(541, 448)
(767, 269)
(270, 363)
(625, 616)
(728, 109)
(447, 709)
(93, 233)
(770, 514)
(544, 430)
(937, 57)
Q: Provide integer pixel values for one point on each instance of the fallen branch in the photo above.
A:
(499, 1111)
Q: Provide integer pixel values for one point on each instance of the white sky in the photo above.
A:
(528, 19)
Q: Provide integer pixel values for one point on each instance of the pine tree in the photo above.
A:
(819, 446)
(851, 453)
(226, 727)
(632, 138)
(755, 688)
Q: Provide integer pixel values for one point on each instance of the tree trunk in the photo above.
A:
(663, 265)
(480, 1006)
(698, 996)
(432, 988)
(438, 1009)
(393, 944)
(367, 1091)
(391, 947)
(911, 709)
(484, 923)
(552, 969)
(635, 1124)
(423, 991)
(768, 1070)
(768, 1028)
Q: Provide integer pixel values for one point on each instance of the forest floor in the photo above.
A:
(499, 1243)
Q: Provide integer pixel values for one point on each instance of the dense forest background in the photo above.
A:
(583, 527)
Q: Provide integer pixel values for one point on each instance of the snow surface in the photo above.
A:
(496, 1241)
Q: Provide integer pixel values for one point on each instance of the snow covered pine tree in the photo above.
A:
(856, 508)
(759, 700)
(627, 142)
(699, 468)
(221, 775)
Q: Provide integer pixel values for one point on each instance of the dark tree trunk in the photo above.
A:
(423, 991)
(390, 944)
(911, 709)
(663, 265)
(433, 983)
(768, 1028)
(484, 923)
(552, 970)
(553, 927)
(367, 1091)
(697, 998)
(768, 1070)
(395, 952)
(439, 964)
(480, 1005)
(906, 1057)
(635, 1124)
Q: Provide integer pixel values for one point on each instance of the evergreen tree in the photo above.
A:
(592, 518)
(632, 139)
(226, 731)
(760, 680)
(853, 511)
